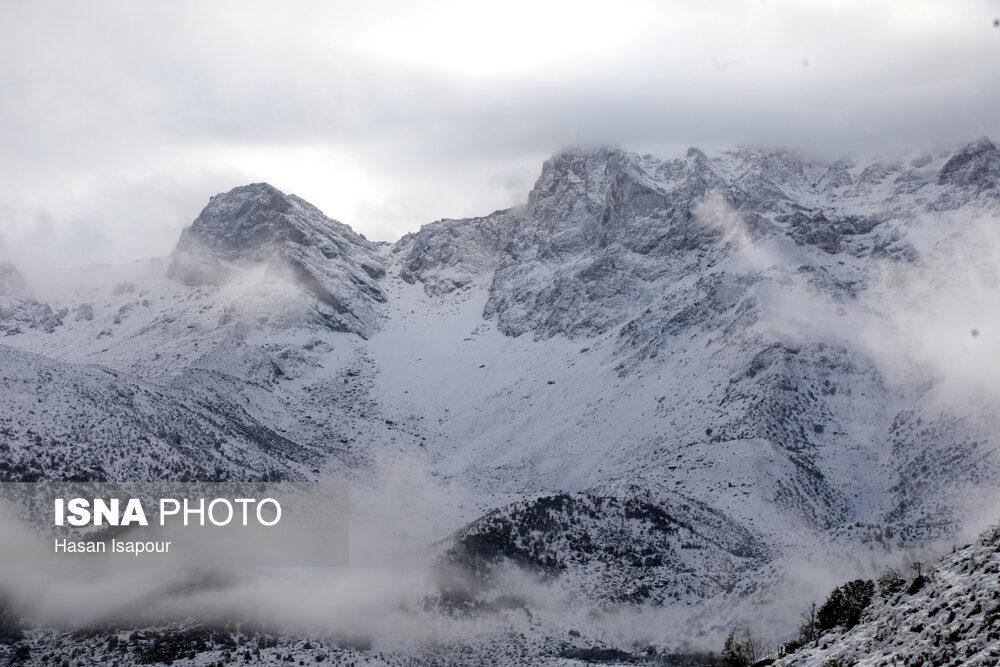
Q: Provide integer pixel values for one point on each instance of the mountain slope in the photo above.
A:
(948, 616)
(724, 361)
(63, 422)
(737, 297)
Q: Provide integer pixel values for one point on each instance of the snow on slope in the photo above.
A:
(64, 422)
(260, 346)
(731, 332)
(633, 548)
(950, 616)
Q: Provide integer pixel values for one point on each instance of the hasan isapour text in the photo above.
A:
(80, 512)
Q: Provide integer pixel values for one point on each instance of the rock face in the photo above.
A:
(452, 254)
(977, 166)
(325, 261)
(598, 231)
(836, 176)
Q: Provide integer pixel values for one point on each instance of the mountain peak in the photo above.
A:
(580, 161)
(983, 143)
(247, 217)
(258, 225)
(262, 187)
(977, 164)
(577, 153)
(578, 173)
(254, 221)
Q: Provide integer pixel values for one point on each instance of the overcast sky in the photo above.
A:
(119, 119)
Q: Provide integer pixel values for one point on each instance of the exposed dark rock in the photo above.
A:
(977, 165)
(256, 225)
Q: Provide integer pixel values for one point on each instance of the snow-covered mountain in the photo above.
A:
(657, 382)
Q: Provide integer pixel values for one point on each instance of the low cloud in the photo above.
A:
(387, 126)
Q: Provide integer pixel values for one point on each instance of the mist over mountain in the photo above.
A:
(659, 400)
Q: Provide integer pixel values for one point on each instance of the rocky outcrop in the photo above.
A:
(19, 310)
(333, 272)
(977, 166)
(451, 254)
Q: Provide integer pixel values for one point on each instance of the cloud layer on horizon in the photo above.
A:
(119, 120)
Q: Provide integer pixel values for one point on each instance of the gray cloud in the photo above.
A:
(118, 120)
